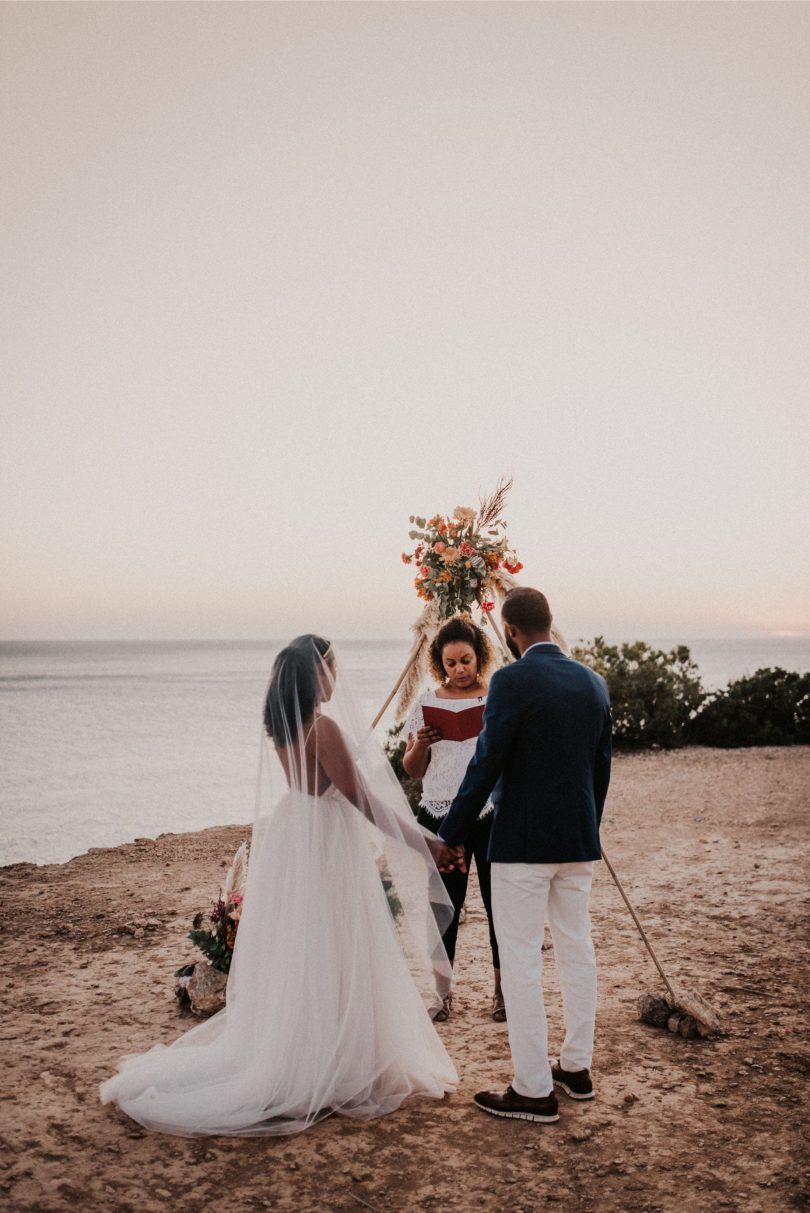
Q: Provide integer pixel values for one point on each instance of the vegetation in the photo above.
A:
(395, 745)
(770, 707)
(655, 695)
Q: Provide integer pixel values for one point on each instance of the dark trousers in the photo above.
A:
(456, 882)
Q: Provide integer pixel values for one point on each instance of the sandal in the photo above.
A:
(498, 1008)
(443, 1013)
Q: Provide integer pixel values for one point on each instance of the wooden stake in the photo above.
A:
(497, 631)
(634, 916)
(414, 653)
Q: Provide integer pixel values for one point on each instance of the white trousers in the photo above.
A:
(522, 895)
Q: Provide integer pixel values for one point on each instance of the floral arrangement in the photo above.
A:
(217, 940)
(463, 558)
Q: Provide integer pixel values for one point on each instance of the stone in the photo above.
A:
(654, 1011)
(202, 989)
(706, 1019)
(687, 1028)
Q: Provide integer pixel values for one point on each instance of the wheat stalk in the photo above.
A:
(491, 508)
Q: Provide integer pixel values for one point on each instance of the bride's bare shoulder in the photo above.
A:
(327, 732)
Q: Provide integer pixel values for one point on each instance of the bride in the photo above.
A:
(341, 927)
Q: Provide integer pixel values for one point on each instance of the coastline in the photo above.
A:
(712, 849)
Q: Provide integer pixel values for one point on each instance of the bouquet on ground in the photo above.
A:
(463, 559)
(217, 940)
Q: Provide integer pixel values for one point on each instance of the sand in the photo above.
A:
(711, 846)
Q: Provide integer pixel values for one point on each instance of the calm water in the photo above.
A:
(101, 743)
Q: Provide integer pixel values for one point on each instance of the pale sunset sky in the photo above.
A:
(278, 275)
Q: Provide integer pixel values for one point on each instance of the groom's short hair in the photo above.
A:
(527, 609)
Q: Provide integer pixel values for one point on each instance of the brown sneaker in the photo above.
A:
(518, 1107)
(576, 1083)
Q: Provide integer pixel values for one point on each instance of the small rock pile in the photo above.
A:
(687, 1015)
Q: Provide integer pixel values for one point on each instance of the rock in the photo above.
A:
(201, 988)
(674, 1021)
(687, 1028)
(654, 1011)
(707, 1021)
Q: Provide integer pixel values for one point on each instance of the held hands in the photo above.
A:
(447, 859)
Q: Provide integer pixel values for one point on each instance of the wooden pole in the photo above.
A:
(412, 656)
(641, 932)
(497, 631)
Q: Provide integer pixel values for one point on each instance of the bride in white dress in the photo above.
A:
(324, 1012)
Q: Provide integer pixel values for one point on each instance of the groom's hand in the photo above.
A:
(447, 859)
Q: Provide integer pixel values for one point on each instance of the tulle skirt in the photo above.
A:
(323, 1015)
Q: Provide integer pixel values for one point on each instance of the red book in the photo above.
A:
(455, 726)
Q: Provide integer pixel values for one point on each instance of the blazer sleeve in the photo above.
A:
(501, 720)
(601, 768)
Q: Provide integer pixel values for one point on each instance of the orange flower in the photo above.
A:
(406, 559)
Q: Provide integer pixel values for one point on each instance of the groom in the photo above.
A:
(545, 750)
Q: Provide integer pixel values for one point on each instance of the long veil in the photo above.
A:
(298, 733)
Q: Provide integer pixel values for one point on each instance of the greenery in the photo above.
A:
(216, 942)
(394, 747)
(770, 707)
(654, 695)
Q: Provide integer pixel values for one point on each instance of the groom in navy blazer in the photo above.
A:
(544, 755)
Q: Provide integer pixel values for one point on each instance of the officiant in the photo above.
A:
(442, 730)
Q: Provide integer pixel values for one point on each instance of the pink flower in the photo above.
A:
(406, 559)
(424, 570)
(439, 547)
(466, 549)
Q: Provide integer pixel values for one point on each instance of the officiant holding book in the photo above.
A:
(442, 730)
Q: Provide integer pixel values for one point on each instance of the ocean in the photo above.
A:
(103, 742)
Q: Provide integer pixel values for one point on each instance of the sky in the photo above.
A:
(278, 275)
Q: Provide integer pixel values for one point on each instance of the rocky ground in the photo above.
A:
(712, 848)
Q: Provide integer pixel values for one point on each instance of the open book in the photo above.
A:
(455, 726)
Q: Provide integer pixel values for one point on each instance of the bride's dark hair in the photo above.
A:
(295, 688)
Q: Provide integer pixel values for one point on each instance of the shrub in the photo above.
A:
(654, 694)
(770, 707)
(395, 745)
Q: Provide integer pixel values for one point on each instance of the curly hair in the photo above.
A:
(460, 628)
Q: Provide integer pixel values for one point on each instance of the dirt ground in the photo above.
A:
(711, 846)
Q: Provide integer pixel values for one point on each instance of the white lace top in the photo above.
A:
(448, 759)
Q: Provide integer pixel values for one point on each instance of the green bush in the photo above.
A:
(770, 707)
(654, 694)
(395, 745)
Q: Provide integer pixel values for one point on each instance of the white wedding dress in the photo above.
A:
(323, 1014)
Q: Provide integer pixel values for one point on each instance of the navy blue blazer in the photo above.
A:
(544, 754)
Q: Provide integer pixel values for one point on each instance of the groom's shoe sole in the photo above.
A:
(512, 1106)
(571, 1094)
